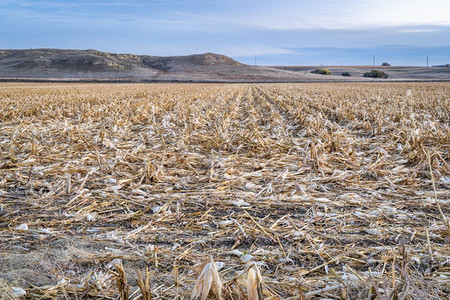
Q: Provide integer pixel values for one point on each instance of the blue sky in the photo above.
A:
(283, 32)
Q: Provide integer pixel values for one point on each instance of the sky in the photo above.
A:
(283, 32)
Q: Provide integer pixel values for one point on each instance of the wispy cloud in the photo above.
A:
(284, 15)
(258, 50)
(418, 30)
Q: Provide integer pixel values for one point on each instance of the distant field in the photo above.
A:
(394, 72)
(337, 191)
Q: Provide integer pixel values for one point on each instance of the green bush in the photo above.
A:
(321, 71)
(385, 64)
(376, 74)
(346, 74)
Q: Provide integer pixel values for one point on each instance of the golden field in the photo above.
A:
(295, 191)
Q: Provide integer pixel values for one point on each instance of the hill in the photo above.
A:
(94, 65)
(55, 64)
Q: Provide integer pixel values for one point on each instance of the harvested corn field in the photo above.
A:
(281, 191)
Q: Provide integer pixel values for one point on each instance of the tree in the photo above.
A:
(321, 71)
(376, 74)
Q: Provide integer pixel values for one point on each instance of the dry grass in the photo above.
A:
(336, 191)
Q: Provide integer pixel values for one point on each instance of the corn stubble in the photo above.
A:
(270, 191)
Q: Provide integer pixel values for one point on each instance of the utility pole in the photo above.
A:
(374, 61)
(255, 60)
(427, 61)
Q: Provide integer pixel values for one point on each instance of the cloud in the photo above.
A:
(418, 30)
(256, 50)
(328, 14)
(246, 14)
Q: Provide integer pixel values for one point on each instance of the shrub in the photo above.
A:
(321, 71)
(376, 74)
(385, 64)
(346, 74)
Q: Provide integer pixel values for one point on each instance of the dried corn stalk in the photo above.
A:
(254, 284)
(153, 174)
(209, 279)
(144, 285)
(121, 281)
